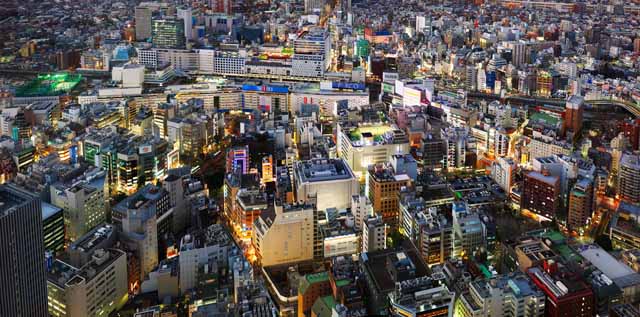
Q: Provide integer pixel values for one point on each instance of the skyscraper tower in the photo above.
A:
(168, 33)
(22, 265)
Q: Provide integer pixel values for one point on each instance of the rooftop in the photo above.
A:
(213, 235)
(605, 262)
(49, 210)
(319, 170)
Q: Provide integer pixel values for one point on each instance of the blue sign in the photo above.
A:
(275, 89)
(73, 153)
(347, 85)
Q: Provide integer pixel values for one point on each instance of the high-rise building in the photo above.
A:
(541, 194)
(567, 295)
(143, 23)
(312, 5)
(519, 52)
(580, 203)
(84, 208)
(468, 231)
(141, 218)
(95, 289)
(629, 178)
(500, 296)
(53, 228)
(329, 181)
(168, 33)
(238, 159)
(361, 209)
(221, 6)
(430, 232)
(22, 266)
(503, 172)
(374, 236)
(573, 113)
(383, 187)
(267, 169)
(421, 23)
(186, 15)
(364, 144)
(544, 83)
(455, 145)
(200, 251)
(286, 235)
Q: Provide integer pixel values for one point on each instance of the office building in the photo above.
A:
(567, 295)
(629, 178)
(362, 144)
(503, 295)
(469, 233)
(361, 209)
(238, 159)
(22, 269)
(503, 172)
(383, 187)
(580, 204)
(624, 227)
(98, 288)
(168, 33)
(52, 228)
(205, 251)
(285, 235)
(329, 181)
(374, 234)
(430, 231)
(143, 22)
(141, 219)
(573, 117)
(250, 203)
(84, 208)
(313, 5)
(186, 15)
(541, 194)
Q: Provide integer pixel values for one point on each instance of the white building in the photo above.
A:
(374, 234)
(514, 295)
(503, 172)
(361, 209)
(129, 75)
(330, 181)
(361, 145)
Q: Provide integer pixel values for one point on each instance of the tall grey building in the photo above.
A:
(143, 23)
(629, 178)
(22, 264)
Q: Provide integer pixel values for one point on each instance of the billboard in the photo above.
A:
(347, 85)
(274, 89)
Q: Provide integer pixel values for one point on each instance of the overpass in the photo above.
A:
(633, 108)
(557, 103)
(628, 8)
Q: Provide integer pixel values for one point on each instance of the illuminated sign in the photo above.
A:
(347, 85)
(274, 89)
(434, 313)
(144, 149)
